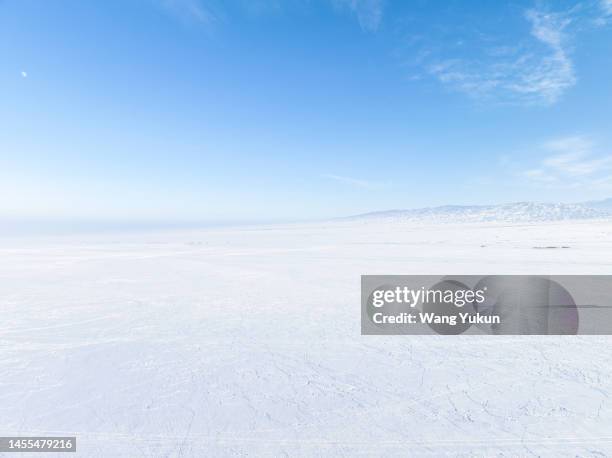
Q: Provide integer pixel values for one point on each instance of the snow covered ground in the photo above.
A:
(246, 342)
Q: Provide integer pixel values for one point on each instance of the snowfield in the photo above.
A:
(246, 342)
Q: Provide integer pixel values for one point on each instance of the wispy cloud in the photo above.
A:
(189, 11)
(536, 71)
(365, 184)
(369, 13)
(572, 162)
(605, 13)
(552, 73)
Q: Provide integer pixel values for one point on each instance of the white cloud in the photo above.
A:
(369, 12)
(572, 161)
(24, 74)
(537, 72)
(606, 6)
(352, 181)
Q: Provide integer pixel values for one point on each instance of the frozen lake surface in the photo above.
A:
(246, 341)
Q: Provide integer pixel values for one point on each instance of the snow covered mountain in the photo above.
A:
(513, 212)
(602, 205)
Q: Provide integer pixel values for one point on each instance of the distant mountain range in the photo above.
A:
(513, 212)
(603, 205)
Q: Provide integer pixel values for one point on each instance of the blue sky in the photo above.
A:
(205, 110)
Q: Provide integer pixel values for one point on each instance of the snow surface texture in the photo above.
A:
(246, 342)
